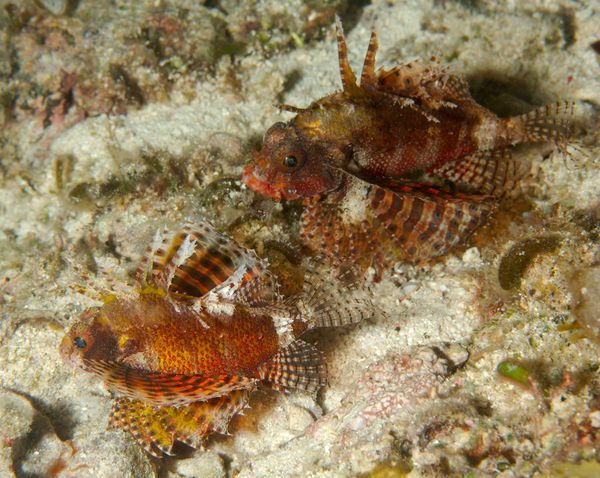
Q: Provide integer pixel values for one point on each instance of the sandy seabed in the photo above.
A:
(118, 119)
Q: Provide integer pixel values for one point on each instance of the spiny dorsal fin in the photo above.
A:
(198, 259)
(368, 77)
(346, 73)
(157, 429)
(299, 366)
(431, 84)
(157, 388)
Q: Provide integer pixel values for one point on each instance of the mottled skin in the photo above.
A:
(206, 324)
(369, 136)
(155, 333)
(372, 162)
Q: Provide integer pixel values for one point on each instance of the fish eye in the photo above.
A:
(80, 342)
(290, 161)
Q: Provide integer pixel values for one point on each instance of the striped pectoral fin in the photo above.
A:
(326, 231)
(163, 388)
(198, 259)
(334, 302)
(157, 428)
(425, 221)
(299, 366)
(493, 172)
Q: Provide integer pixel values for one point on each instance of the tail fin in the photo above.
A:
(549, 123)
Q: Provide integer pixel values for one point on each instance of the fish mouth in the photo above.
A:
(258, 183)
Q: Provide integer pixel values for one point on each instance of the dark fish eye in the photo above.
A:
(80, 342)
(290, 161)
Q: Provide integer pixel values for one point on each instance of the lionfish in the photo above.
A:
(203, 327)
(401, 166)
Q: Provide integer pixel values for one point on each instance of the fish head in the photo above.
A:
(289, 167)
(90, 338)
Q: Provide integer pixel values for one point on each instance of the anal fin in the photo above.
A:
(493, 172)
(157, 429)
(299, 366)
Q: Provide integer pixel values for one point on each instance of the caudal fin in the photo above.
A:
(549, 123)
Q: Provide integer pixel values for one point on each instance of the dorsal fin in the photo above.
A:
(346, 73)
(197, 260)
(368, 77)
(156, 388)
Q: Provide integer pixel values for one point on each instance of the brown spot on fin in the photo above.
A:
(157, 429)
(299, 366)
(198, 259)
(426, 221)
(368, 77)
(157, 388)
(346, 73)
(494, 172)
(431, 84)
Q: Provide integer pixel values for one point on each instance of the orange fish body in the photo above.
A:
(384, 147)
(206, 325)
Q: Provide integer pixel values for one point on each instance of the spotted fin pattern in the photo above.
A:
(198, 259)
(299, 366)
(495, 172)
(548, 123)
(157, 388)
(157, 429)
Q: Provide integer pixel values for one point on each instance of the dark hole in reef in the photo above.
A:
(351, 15)
(507, 96)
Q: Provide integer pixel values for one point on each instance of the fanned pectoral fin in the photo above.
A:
(427, 222)
(493, 172)
(163, 388)
(299, 366)
(198, 259)
(157, 429)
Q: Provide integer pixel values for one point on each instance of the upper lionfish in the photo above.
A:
(403, 165)
(203, 327)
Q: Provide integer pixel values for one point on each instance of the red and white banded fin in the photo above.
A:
(198, 259)
(494, 172)
(157, 388)
(346, 74)
(426, 221)
(157, 429)
(368, 224)
(549, 123)
(299, 366)
(368, 77)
